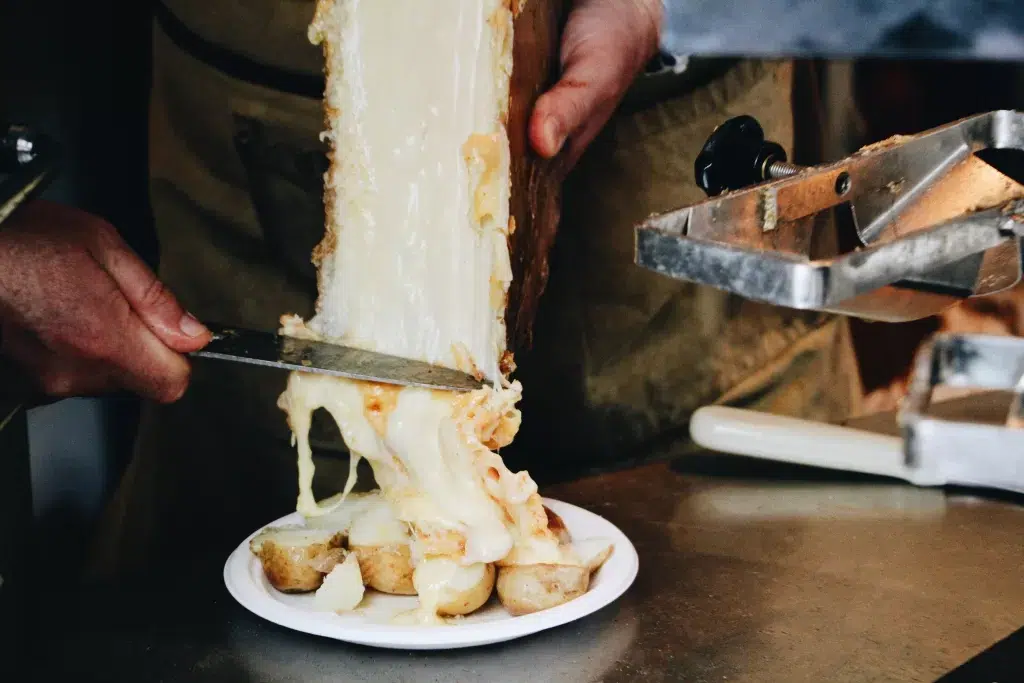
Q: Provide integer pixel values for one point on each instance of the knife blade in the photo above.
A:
(289, 353)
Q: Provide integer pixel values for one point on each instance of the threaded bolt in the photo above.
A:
(781, 169)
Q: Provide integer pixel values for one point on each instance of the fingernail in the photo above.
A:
(554, 133)
(190, 326)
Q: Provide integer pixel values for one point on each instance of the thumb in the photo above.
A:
(580, 103)
(605, 45)
(151, 300)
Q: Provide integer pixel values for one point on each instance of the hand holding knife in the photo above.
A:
(78, 269)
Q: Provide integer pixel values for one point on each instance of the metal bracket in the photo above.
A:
(985, 444)
(922, 244)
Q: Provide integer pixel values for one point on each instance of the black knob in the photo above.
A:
(736, 156)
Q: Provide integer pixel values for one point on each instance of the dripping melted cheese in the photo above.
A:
(416, 263)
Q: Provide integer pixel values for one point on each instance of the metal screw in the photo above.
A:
(781, 169)
(843, 183)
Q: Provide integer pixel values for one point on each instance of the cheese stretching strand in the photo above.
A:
(415, 263)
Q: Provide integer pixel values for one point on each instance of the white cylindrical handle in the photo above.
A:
(801, 442)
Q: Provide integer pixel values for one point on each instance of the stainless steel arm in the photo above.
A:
(931, 224)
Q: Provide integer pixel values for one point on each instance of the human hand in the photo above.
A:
(82, 314)
(605, 46)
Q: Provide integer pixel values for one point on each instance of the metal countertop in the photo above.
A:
(766, 574)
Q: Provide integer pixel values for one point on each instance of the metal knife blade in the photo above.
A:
(288, 353)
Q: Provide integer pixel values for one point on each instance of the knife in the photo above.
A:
(304, 355)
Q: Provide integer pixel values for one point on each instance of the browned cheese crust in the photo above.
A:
(330, 240)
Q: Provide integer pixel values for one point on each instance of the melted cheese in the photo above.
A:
(416, 264)
(438, 581)
(432, 464)
(378, 526)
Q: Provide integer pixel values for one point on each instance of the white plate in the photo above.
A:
(369, 624)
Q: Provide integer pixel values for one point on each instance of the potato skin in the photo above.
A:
(287, 567)
(386, 568)
(557, 527)
(527, 588)
(469, 601)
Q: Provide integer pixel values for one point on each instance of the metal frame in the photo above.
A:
(957, 448)
(757, 242)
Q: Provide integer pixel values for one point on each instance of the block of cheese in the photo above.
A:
(439, 222)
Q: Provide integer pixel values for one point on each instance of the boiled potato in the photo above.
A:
(342, 589)
(291, 556)
(440, 542)
(528, 588)
(557, 526)
(451, 589)
(592, 553)
(386, 568)
(461, 600)
(381, 542)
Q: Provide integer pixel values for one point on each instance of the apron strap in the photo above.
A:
(234, 65)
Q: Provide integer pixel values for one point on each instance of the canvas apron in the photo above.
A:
(621, 356)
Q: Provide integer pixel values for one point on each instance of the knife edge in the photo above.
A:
(266, 349)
